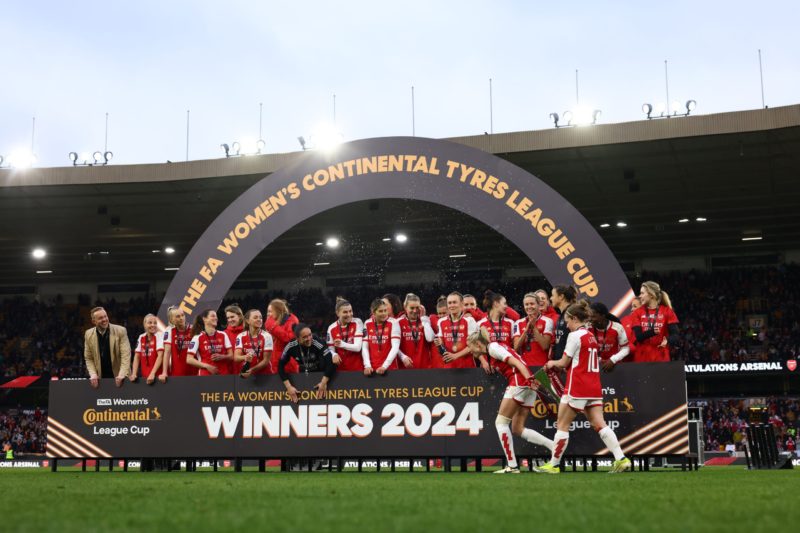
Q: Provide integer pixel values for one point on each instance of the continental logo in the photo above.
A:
(95, 416)
(541, 409)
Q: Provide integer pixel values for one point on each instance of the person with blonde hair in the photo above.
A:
(583, 392)
(280, 324)
(381, 340)
(416, 335)
(518, 399)
(149, 354)
(655, 324)
(176, 346)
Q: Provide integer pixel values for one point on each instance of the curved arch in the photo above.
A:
(532, 215)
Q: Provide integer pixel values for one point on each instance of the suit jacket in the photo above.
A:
(120, 351)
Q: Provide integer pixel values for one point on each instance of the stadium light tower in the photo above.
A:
(84, 159)
(246, 146)
(663, 112)
(579, 116)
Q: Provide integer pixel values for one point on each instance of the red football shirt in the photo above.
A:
(261, 345)
(351, 336)
(414, 342)
(179, 346)
(203, 346)
(657, 320)
(501, 331)
(377, 345)
(147, 349)
(583, 373)
(453, 334)
(532, 352)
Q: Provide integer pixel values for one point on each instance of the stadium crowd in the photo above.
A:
(725, 421)
(23, 430)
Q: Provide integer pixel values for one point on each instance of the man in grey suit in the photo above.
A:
(107, 350)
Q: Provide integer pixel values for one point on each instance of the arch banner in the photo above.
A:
(531, 214)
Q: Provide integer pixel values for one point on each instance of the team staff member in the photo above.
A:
(210, 350)
(655, 324)
(627, 323)
(534, 333)
(253, 351)
(610, 335)
(106, 350)
(381, 340)
(281, 324)
(496, 323)
(311, 356)
(517, 401)
(452, 334)
(176, 346)
(416, 335)
(345, 337)
(583, 392)
(149, 354)
(234, 320)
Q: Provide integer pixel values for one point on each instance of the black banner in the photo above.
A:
(531, 214)
(413, 413)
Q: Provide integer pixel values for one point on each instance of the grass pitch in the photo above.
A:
(714, 499)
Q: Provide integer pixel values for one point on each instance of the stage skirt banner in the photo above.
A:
(404, 414)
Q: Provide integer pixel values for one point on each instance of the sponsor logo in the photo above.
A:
(616, 406)
(102, 402)
(110, 415)
(791, 364)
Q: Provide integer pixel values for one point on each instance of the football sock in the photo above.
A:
(503, 425)
(560, 442)
(534, 437)
(611, 442)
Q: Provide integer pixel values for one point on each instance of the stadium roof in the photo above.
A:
(738, 170)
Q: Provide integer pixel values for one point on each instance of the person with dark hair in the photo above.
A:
(280, 324)
(610, 335)
(452, 334)
(107, 350)
(253, 351)
(395, 305)
(499, 327)
(345, 338)
(583, 392)
(209, 350)
(562, 296)
(655, 324)
(234, 325)
(381, 340)
(310, 355)
(441, 312)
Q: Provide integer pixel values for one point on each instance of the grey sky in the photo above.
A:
(146, 63)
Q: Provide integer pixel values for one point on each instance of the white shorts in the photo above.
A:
(525, 396)
(580, 404)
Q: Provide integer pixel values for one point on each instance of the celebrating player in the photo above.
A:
(149, 353)
(381, 340)
(176, 346)
(253, 352)
(234, 320)
(583, 392)
(280, 324)
(628, 323)
(534, 333)
(210, 350)
(345, 338)
(610, 335)
(655, 324)
(416, 335)
(518, 398)
(499, 326)
(452, 334)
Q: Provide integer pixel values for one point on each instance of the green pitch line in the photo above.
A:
(714, 499)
